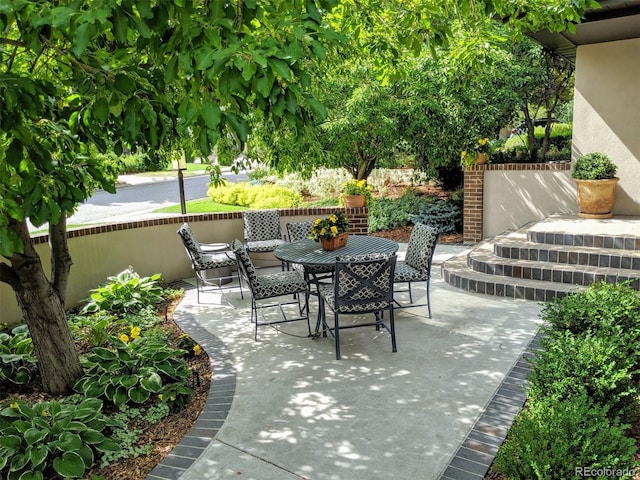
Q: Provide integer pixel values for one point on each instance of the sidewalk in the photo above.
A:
(284, 408)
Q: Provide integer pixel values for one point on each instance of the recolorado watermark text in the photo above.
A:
(586, 472)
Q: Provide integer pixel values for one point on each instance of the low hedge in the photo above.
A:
(583, 388)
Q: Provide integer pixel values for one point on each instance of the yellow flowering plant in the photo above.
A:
(329, 227)
(469, 156)
(357, 187)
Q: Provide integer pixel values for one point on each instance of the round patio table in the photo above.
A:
(309, 252)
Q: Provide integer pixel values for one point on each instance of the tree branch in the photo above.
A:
(8, 276)
(60, 257)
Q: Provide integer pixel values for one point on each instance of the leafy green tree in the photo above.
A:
(383, 105)
(543, 81)
(79, 75)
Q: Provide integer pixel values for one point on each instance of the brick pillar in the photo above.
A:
(358, 220)
(473, 197)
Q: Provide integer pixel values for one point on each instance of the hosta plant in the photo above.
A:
(52, 439)
(133, 369)
(126, 292)
(17, 361)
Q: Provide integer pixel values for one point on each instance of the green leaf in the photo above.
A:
(68, 441)
(10, 242)
(281, 68)
(152, 382)
(69, 465)
(211, 114)
(108, 445)
(92, 436)
(101, 110)
(264, 84)
(238, 125)
(124, 84)
(120, 25)
(171, 69)
(131, 124)
(37, 475)
(11, 442)
(120, 396)
(138, 395)
(34, 435)
(38, 454)
(81, 37)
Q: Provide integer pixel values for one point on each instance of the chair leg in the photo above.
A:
(336, 334)
(428, 300)
(392, 328)
(306, 305)
(198, 286)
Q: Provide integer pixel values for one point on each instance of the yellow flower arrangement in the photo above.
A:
(469, 157)
(329, 227)
(357, 187)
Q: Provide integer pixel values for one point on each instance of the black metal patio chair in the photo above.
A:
(272, 285)
(207, 258)
(362, 285)
(416, 266)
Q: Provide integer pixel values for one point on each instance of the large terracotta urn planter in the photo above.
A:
(596, 197)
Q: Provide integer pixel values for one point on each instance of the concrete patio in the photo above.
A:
(284, 408)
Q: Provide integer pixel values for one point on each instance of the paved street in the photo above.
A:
(137, 196)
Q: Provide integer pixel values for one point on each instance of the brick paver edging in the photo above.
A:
(216, 408)
(474, 457)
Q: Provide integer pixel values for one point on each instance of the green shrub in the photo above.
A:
(386, 213)
(52, 439)
(597, 366)
(594, 166)
(553, 439)
(255, 195)
(132, 370)
(17, 361)
(602, 309)
(126, 292)
(446, 216)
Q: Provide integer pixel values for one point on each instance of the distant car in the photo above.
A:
(521, 127)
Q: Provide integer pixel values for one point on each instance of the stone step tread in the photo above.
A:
(484, 252)
(457, 273)
(518, 239)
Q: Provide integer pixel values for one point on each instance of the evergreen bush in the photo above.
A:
(561, 439)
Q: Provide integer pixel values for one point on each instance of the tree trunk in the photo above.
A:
(53, 344)
(43, 309)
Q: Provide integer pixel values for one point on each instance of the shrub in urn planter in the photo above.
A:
(595, 177)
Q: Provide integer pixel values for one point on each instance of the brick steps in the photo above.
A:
(544, 260)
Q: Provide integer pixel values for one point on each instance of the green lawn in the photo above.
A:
(201, 205)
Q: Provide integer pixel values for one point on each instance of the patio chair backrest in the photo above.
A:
(244, 262)
(364, 282)
(260, 225)
(191, 244)
(298, 230)
(421, 245)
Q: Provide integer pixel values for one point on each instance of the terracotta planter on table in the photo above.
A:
(330, 244)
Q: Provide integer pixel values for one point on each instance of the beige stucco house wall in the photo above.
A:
(606, 113)
(513, 198)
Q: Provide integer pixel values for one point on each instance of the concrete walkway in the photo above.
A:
(284, 408)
